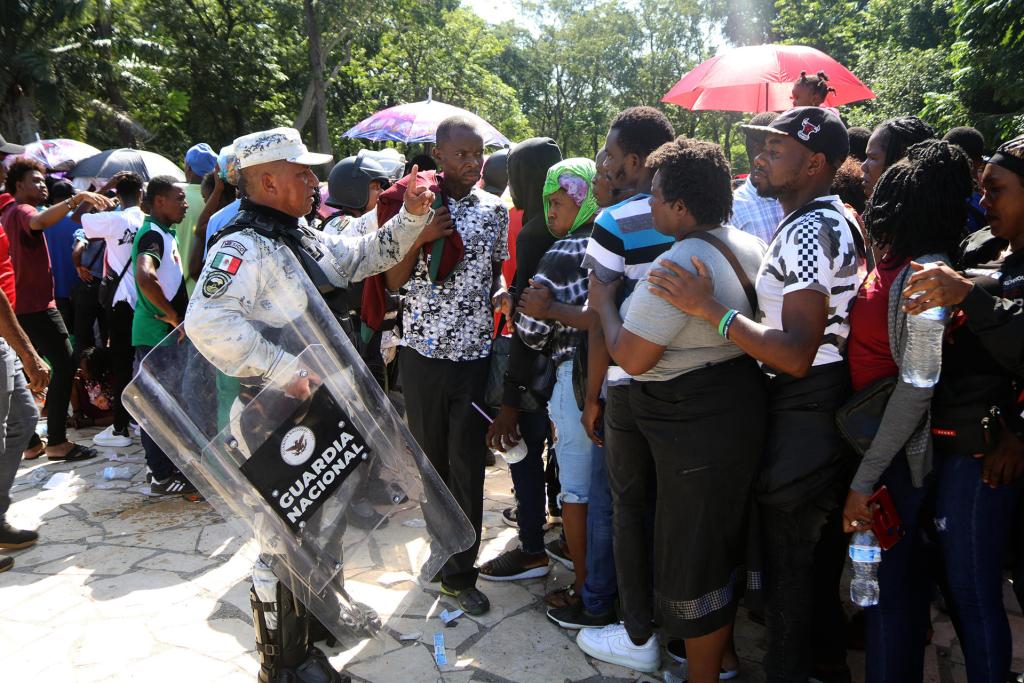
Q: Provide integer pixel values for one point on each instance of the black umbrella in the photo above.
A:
(146, 164)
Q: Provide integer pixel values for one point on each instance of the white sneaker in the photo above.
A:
(108, 438)
(612, 644)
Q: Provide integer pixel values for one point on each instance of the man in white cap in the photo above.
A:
(278, 187)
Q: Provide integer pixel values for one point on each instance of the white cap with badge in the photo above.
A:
(277, 144)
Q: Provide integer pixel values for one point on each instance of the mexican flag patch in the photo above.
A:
(226, 262)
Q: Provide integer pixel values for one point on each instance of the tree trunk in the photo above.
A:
(321, 134)
(111, 87)
(17, 116)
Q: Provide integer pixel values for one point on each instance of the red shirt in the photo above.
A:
(508, 268)
(868, 345)
(6, 268)
(33, 278)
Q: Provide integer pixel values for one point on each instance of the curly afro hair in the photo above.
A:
(21, 167)
(697, 174)
(642, 130)
(919, 205)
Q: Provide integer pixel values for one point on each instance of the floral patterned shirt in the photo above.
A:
(454, 320)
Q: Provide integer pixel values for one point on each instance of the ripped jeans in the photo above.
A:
(575, 451)
(972, 524)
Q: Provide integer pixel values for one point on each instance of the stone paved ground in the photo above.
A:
(125, 587)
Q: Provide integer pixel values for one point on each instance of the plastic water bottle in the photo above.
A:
(922, 361)
(123, 472)
(866, 555)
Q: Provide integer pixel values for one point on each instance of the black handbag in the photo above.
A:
(860, 417)
(108, 287)
(542, 383)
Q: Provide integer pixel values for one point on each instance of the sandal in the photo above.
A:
(563, 597)
(77, 452)
(35, 448)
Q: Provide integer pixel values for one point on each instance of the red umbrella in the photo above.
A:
(760, 78)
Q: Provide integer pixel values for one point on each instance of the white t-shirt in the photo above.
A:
(817, 251)
(118, 228)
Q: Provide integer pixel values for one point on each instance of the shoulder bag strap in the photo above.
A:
(728, 255)
(858, 239)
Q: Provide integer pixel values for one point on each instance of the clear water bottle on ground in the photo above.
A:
(922, 360)
(123, 472)
(866, 555)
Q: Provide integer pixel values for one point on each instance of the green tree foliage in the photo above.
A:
(162, 74)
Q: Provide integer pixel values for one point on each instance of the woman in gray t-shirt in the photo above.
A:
(695, 417)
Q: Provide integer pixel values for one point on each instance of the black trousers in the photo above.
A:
(119, 326)
(48, 335)
(87, 312)
(438, 402)
(801, 524)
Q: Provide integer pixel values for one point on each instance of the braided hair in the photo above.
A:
(900, 133)
(818, 84)
(919, 205)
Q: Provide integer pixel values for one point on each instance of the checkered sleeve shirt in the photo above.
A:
(759, 216)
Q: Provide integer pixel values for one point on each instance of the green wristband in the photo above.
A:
(725, 319)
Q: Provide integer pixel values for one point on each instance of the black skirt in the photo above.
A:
(705, 430)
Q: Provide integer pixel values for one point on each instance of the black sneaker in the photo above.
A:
(512, 565)
(556, 551)
(511, 517)
(173, 485)
(471, 600)
(577, 617)
(489, 459)
(16, 539)
(6, 563)
(361, 515)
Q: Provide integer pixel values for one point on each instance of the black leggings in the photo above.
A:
(119, 327)
(48, 335)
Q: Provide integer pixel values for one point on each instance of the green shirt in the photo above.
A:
(186, 230)
(157, 242)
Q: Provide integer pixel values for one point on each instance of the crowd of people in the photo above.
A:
(694, 354)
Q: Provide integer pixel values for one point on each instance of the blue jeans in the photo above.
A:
(896, 627)
(18, 417)
(973, 523)
(528, 479)
(574, 446)
(600, 588)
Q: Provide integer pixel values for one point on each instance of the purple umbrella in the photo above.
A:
(417, 122)
(59, 154)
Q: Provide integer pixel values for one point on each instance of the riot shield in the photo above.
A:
(284, 455)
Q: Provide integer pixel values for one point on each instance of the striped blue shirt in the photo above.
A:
(625, 244)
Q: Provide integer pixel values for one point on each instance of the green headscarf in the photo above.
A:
(576, 167)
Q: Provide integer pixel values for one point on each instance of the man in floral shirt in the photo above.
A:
(447, 329)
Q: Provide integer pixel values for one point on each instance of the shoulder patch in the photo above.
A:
(226, 262)
(215, 284)
(237, 246)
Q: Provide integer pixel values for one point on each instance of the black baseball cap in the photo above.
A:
(10, 148)
(817, 129)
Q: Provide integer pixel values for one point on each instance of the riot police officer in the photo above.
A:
(279, 187)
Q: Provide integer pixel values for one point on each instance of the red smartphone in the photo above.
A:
(885, 519)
